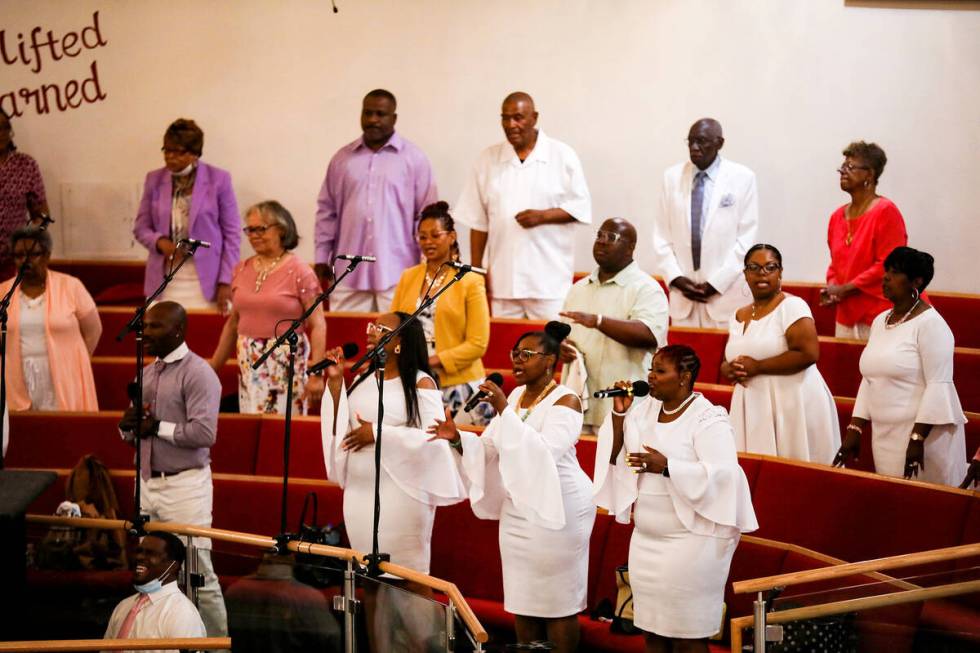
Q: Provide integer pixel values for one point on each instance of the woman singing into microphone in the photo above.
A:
(671, 459)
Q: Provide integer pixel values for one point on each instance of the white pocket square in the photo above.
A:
(727, 200)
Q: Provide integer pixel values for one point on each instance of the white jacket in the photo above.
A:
(730, 227)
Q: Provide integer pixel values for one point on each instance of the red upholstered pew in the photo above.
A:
(114, 373)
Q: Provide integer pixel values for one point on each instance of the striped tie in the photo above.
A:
(697, 209)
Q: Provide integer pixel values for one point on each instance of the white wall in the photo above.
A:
(277, 86)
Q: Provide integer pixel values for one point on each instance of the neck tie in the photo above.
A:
(127, 625)
(697, 208)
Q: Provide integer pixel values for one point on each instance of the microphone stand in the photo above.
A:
(379, 358)
(290, 338)
(4, 307)
(135, 325)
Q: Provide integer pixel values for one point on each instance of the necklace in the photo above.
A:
(430, 285)
(684, 403)
(766, 304)
(904, 317)
(263, 272)
(537, 400)
(854, 215)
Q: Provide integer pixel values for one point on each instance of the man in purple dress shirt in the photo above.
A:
(181, 394)
(374, 189)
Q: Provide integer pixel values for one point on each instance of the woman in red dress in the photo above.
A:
(860, 235)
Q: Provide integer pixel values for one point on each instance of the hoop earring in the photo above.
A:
(915, 294)
(398, 348)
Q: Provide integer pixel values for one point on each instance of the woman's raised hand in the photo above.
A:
(444, 430)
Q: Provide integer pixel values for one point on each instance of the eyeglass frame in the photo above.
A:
(768, 268)
(428, 237)
(259, 230)
(608, 237)
(377, 329)
(850, 167)
(524, 355)
(179, 151)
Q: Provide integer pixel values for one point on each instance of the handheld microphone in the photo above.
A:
(357, 258)
(194, 244)
(131, 391)
(350, 351)
(471, 403)
(639, 389)
(466, 267)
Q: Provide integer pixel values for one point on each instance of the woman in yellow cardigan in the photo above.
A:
(458, 329)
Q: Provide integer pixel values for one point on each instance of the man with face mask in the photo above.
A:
(181, 394)
(374, 190)
(158, 609)
(708, 219)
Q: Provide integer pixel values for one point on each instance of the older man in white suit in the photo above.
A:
(709, 218)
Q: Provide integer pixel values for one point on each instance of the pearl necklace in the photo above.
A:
(264, 272)
(904, 317)
(684, 403)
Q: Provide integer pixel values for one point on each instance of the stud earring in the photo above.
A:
(398, 349)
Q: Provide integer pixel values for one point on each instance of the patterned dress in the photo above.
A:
(19, 177)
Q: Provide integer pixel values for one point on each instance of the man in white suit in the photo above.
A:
(708, 219)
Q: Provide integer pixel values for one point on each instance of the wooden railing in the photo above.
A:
(170, 643)
(463, 608)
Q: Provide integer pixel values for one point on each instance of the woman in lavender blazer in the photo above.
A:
(188, 198)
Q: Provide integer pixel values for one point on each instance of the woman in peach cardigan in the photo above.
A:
(52, 329)
(457, 328)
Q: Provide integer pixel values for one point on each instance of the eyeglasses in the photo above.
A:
(768, 268)
(376, 329)
(20, 256)
(610, 237)
(700, 141)
(424, 238)
(850, 167)
(524, 355)
(258, 230)
(179, 151)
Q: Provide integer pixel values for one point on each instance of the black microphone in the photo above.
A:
(196, 243)
(466, 267)
(132, 389)
(639, 389)
(350, 351)
(471, 403)
(357, 258)
(43, 218)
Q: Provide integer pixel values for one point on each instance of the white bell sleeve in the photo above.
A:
(713, 487)
(614, 486)
(939, 403)
(481, 472)
(424, 470)
(334, 456)
(528, 454)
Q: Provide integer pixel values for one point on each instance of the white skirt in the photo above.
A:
(677, 577)
(545, 571)
(405, 527)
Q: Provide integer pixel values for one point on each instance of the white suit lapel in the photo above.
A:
(717, 194)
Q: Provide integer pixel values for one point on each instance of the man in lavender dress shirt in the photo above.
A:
(181, 394)
(374, 189)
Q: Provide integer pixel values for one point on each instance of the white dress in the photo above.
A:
(792, 415)
(417, 476)
(907, 379)
(34, 353)
(524, 472)
(687, 525)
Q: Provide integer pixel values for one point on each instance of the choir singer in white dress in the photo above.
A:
(417, 475)
(524, 472)
(907, 390)
(781, 405)
(671, 459)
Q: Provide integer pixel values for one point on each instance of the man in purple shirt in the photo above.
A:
(181, 394)
(374, 189)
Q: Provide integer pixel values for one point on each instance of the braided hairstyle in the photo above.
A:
(684, 359)
(440, 211)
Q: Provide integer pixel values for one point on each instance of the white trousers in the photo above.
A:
(857, 332)
(185, 289)
(699, 319)
(187, 498)
(526, 309)
(361, 301)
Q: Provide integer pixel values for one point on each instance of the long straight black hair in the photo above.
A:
(412, 358)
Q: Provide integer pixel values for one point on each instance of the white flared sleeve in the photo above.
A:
(614, 487)
(939, 403)
(528, 461)
(424, 470)
(334, 456)
(714, 485)
(481, 472)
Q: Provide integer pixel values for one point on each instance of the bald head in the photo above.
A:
(164, 326)
(519, 119)
(171, 312)
(613, 247)
(624, 228)
(703, 142)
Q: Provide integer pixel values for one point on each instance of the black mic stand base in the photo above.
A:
(374, 561)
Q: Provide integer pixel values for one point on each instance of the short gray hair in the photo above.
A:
(29, 232)
(275, 212)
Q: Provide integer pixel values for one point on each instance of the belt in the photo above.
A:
(155, 474)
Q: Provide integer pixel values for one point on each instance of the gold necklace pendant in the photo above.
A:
(264, 272)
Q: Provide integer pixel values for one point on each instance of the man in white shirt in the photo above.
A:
(521, 203)
(709, 218)
(158, 609)
(618, 315)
